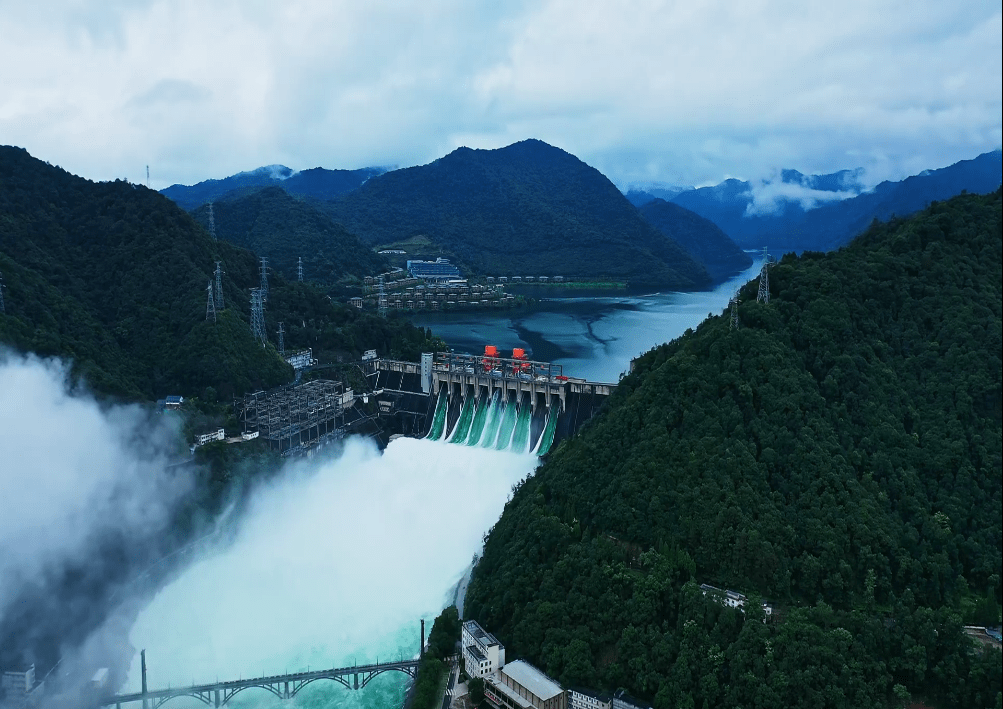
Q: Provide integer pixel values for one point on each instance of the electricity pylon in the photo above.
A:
(210, 305)
(764, 280)
(258, 317)
(219, 286)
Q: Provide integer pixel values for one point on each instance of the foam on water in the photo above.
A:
(333, 565)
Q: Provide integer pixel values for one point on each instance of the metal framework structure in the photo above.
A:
(381, 302)
(219, 286)
(764, 280)
(297, 417)
(212, 223)
(210, 305)
(258, 316)
(264, 279)
(284, 686)
(733, 304)
(299, 269)
(282, 339)
(3, 308)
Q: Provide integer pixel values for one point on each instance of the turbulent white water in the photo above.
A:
(334, 565)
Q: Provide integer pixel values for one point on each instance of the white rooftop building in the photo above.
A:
(519, 685)
(482, 653)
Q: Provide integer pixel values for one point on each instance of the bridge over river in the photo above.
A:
(284, 686)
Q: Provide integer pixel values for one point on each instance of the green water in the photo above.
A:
(439, 420)
(462, 428)
(507, 424)
(490, 424)
(477, 427)
(520, 439)
(547, 439)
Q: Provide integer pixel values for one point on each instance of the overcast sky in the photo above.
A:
(676, 92)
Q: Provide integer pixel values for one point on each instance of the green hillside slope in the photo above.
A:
(839, 453)
(283, 228)
(700, 237)
(529, 208)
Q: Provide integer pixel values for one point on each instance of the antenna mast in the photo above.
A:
(299, 269)
(219, 286)
(210, 306)
(212, 223)
(258, 316)
(282, 340)
(764, 280)
(264, 279)
(381, 303)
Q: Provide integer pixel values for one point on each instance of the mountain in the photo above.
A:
(283, 228)
(529, 208)
(820, 212)
(700, 237)
(837, 453)
(642, 194)
(317, 183)
(112, 277)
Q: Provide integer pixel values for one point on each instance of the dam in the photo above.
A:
(507, 403)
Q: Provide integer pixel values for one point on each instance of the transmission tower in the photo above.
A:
(147, 176)
(733, 303)
(219, 286)
(282, 340)
(264, 279)
(258, 317)
(3, 308)
(381, 303)
(210, 305)
(212, 223)
(764, 280)
(299, 269)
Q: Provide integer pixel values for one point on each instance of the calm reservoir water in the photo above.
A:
(592, 337)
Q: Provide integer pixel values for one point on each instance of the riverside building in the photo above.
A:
(482, 653)
(519, 685)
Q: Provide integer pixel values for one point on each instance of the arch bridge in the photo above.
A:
(284, 686)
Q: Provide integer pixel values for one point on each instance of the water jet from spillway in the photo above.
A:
(333, 565)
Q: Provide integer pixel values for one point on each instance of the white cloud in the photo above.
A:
(666, 91)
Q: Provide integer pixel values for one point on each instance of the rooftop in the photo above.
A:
(532, 679)
(480, 634)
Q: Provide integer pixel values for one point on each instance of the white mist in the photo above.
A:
(334, 565)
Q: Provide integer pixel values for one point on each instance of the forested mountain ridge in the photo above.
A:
(839, 452)
(274, 224)
(700, 237)
(113, 276)
(318, 183)
(528, 208)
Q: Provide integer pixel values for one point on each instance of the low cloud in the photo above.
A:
(74, 474)
(772, 197)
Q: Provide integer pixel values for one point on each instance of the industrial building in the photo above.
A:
(519, 685)
(439, 270)
(18, 689)
(482, 653)
(579, 698)
(296, 417)
(622, 700)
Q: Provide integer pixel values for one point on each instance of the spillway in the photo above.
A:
(333, 564)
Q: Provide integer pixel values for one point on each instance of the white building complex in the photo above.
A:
(519, 685)
(579, 698)
(482, 653)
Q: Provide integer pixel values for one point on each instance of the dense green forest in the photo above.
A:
(113, 277)
(527, 209)
(838, 453)
(282, 228)
(700, 237)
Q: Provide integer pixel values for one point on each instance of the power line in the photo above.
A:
(212, 223)
(210, 305)
(219, 286)
(258, 317)
(764, 280)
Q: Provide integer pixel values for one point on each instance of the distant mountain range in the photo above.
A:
(528, 208)
(318, 183)
(822, 212)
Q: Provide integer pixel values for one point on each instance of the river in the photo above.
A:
(594, 337)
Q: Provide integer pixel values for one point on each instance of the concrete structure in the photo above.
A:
(435, 271)
(481, 651)
(732, 599)
(301, 359)
(356, 302)
(579, 698)
(622, 700)
(203, 438)
(519, 685)
(173, 402)
(19, 689)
